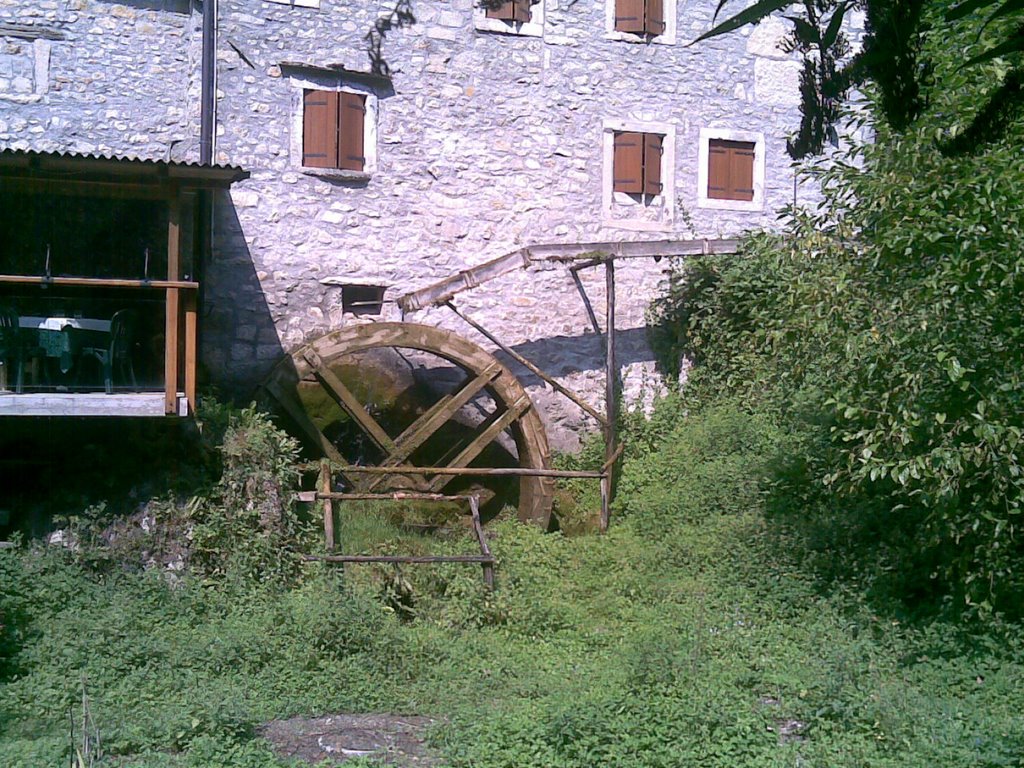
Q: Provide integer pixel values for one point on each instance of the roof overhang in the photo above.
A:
(65, 168)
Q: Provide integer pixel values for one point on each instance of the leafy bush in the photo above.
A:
(249, 524)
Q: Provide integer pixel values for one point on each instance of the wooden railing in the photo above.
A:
(180, 319)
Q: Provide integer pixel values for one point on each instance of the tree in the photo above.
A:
(891, 60)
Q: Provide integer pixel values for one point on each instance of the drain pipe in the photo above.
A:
(208, 104)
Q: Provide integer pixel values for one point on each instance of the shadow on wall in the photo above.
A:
(239, 342)
(171, 6)
(566, 355)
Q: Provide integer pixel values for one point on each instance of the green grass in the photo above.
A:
(687, 636)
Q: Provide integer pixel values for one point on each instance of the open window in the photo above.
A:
(636, 163)
(638, 21)
(334, 120)
(510, 17)
(639, 174)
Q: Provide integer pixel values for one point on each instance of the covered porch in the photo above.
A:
(100, 283)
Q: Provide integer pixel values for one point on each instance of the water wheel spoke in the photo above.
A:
(302, 420)
(498, 422)
(433, 419)
(349, 403)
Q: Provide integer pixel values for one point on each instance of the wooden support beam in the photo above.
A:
(401, 558)
(558, 386)
(191, 356)
(436, 416)
(395, 496)
(301, 418)
(498, 423)
(349, 402)
(325, 496)
(611, 380)
(474, 507)
(172, 318)
(97, 282)
(482, 471)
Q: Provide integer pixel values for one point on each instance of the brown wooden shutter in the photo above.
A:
(730, 170)
(504, 11)
(521, 10)
(652, 163)
(741, 172)
(718, 170)
(629, 15)
(351, 118)
(628, 163)
(319, 129)
(654, 18)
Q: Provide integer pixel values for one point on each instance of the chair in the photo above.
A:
(117, 357)
(10, 344)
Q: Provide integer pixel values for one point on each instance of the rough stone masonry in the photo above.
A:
(485, 137)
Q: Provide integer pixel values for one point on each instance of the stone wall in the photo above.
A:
(485, 142)
(91, 76)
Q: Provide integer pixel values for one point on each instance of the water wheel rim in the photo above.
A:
(526, 428)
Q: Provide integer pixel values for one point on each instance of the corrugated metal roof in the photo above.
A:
(30, 158)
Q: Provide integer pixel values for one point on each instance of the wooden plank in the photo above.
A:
(400, 558)
(610, 392)
(481, 441)
(348, 402)
(98, 282)
(483, 471)
(531, 366)
(325, 495)
(190, 351)
(444, 290)
(306, 424)
(171, 317)
(129, 404)
(394, 496)
(474, 507)
(438, 414)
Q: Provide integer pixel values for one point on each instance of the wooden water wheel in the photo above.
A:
(339, 365)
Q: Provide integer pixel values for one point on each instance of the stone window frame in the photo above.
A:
(40, 56)
(319, 81)
(668, 37)
(612, 201)
(703, 157)
(532, 28)
(298, 3)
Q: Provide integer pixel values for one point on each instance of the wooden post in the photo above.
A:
(474, 508)
(325, 491)
(611, 376)
(190, 350)
(172, 308)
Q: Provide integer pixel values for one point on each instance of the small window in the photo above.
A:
(730, 170)
(640, 17)
(333, 130)
(636, 166)
(641, 21)
(511, 17)
(362, 299)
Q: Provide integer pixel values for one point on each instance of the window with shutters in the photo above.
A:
(510, 17)
(334, 122)
(639, 21)
(731, 170)
(639, 174)
(333, 133)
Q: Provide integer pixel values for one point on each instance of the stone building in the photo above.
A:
(392, 144)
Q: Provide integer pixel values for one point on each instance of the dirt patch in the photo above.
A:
(333, 739)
